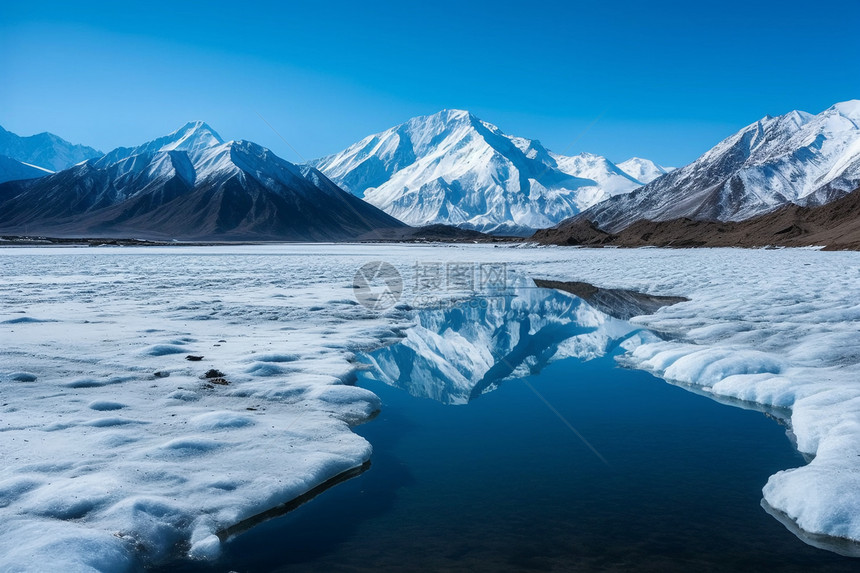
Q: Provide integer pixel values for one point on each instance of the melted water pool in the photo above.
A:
(504, 480)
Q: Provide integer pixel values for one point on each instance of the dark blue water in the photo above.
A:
(503, 484)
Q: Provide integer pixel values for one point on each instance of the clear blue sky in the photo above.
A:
(667, 80)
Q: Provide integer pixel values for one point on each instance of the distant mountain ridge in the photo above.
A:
(446, 168)
(189, 184)
(12, 170)
(643, 170)
(44, 150)
(454, 168)
(796, 158)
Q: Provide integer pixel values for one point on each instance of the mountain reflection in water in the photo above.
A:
(453, 355)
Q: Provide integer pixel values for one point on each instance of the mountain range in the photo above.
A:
(189, 184)
(797, 158)
(43, 150)
(449, 168)
(454, 168)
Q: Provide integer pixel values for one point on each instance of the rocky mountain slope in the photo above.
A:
(835, 225)
(189, 184)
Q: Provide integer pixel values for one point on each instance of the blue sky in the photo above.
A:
(663, 80)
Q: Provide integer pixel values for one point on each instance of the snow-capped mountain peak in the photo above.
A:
(248, 159)
(643, 170)
(454, 168)
(849, 109)
(193, 137)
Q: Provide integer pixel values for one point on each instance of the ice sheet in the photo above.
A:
(117, 451)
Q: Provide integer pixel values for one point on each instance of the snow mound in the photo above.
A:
(164, 350)
(106, 405)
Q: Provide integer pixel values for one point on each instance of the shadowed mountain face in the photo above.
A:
(189, 185)
(13, 170)
(454, 355)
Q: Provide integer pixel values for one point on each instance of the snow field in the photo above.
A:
(117, 451)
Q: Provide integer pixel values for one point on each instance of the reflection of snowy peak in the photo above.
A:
(794, 158)
(455, 355)
(453, 168)
(189, 184)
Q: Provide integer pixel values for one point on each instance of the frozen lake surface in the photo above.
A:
(499, 482)
(119, 451)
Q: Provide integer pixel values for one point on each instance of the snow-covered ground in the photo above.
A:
(107, 464)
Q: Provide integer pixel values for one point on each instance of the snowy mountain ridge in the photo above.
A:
(44, 150)
(454, 168)
(189, 183)
(643, 170)
(797, 158)
(194, 138)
